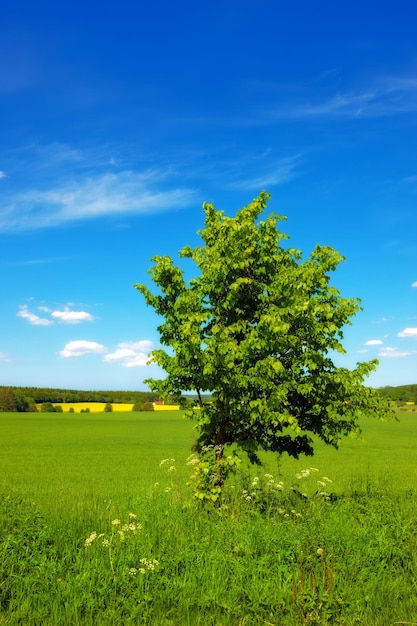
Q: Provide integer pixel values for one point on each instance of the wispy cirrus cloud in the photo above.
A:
(414, 284)
(387, 96)
(409, 180)
(275, 173)
(64, 316)
(395, 353)
(30, 262)
(96, 196)
(4, 358)
(130, 354)
(81, 347)
(3, 175)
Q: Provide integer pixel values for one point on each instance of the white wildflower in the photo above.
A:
(90, 539)
(193, 460)
(164, 461)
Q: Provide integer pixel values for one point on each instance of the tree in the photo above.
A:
(8, 400)
(47, 407)
(108, 407)
(142, 406)
(256, 328)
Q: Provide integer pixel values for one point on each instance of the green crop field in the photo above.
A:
(94, 529)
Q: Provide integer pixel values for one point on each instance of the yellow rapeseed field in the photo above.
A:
(98, 407)
(166, 407)
(94, 407)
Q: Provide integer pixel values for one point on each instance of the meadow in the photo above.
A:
(99, 526)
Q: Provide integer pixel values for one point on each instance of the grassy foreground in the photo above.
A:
(95, 530)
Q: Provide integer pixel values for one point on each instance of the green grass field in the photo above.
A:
(158, 557)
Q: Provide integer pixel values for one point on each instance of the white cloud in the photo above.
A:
(4, 357)
(65, 316)
(3, 175)
(414, 284)
(373, 342)
(32, 318)
(394, 353)
(81, 347)
(102, 195)
(72, 317)
(408, 332)
(130, 354)
(143, 346)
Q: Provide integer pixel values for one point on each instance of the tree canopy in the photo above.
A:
(257, 328)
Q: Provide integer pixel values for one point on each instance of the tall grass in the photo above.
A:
(94, 530)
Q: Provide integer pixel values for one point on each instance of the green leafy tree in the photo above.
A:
(31, 405)
(108, 407)
(257, 328)
(142, 406)
(8, 399)
(47, 407)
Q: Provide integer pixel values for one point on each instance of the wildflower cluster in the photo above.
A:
(265, 492)
(131, 527)
(324, 483)
(169, 466)
(306, 473)
(169, 462)
(210, 470)
(146, 565)
(119, 549)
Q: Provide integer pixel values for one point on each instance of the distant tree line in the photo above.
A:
(401, 394)
(15, 399)
(25, 398)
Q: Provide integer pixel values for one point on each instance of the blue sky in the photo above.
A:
(118, 120)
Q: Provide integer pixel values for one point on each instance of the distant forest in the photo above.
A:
(24, 399)
(402, 394)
